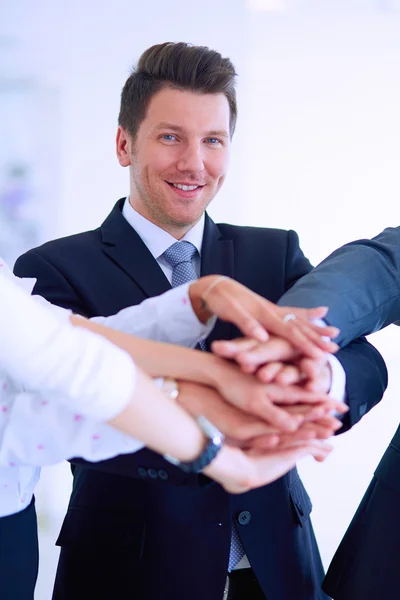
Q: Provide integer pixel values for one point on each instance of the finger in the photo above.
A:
(304, 335)
(314, 334)
(293, 394)
(249, 369)
(310, 315)
(264, 442)
(269, 372)
(318, 372)
(229, 349)
(230, 419)
(329, 422)
(290, 375)
(319, 432)
(319, 446)
(315, 412)
(274, 350)
(283, 440)
(278, 462)
(235, 423)
(312, 368)
(275, 416)
(330, 405)
(237, 314)
(321, 380)
(309, 412)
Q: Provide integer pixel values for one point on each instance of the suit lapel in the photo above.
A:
(217, 258)
(125, 247)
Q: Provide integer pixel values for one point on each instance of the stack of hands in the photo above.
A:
(268, 391)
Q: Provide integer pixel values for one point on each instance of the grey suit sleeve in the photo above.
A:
(359, 282)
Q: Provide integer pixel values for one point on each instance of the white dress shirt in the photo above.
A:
(158, 240)
(59, 383)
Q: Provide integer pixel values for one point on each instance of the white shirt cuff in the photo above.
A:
(338, 375)
(338, 379)
(166, 318)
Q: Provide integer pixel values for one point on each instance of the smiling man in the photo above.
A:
(138, 528)
(176, 166)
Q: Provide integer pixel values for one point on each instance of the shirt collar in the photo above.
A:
(156, 239)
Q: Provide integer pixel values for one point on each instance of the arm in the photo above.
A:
(366, 374)
(86, 374)
(252, 314)
(146, 414)
(167, 318)
(170, 361)
(44, 433)
(359, 283)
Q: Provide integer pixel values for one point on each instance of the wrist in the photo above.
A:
(211, 370)
(196, 290)
(208, 453)
(231, 469)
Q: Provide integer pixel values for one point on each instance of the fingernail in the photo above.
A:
(332, 331)
(318, 413)
(259, 334)
(289, 424)
(293, 422)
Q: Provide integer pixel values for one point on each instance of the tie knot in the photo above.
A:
(179, 252)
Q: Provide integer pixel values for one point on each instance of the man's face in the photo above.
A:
(179, 158)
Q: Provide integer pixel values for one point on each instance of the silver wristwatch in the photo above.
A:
(214, 443)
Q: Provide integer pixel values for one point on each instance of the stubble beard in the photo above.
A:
(153, 202)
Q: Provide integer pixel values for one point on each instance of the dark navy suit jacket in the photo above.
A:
(360, 283)
(136, 526)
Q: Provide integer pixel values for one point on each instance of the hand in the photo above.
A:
(320, 429)
(251, 354)
(256, 317)
(238, 426)
(269, 361)
(239, 471)
(265, 401)
(245, 431)
(318, 423)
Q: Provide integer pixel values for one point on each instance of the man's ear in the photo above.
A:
(123, 147)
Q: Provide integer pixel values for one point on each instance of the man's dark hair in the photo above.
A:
(180, 66)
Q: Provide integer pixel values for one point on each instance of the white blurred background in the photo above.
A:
(317, 150)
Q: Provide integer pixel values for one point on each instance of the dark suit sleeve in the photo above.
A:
(366, 373)
(51, 283)
(360, 283)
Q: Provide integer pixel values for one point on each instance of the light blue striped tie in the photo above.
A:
(180, 256)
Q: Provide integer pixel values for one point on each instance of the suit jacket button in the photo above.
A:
(152, 473)
(244, 517)
(163, 474)
(142, 472)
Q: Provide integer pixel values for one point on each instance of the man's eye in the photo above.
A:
(213, 140)
(168, 137)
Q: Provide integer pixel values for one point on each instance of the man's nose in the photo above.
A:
(191, 159)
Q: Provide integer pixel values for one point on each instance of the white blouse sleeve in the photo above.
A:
(47, 354)
(166, 318)
(36, 430)
(75, 379)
